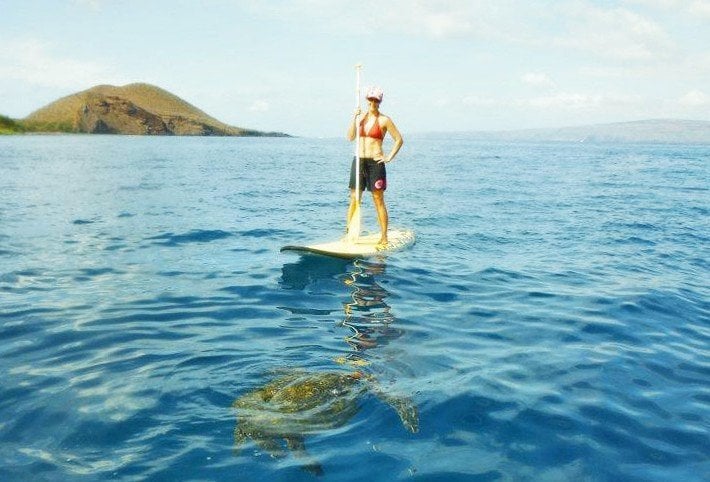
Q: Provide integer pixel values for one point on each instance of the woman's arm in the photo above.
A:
(398, 141)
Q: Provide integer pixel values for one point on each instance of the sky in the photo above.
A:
(449, 65)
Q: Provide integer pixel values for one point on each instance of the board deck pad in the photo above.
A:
(365, 246)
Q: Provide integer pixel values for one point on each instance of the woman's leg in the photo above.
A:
(378, 195)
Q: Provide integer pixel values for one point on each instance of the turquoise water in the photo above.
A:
(551, 323)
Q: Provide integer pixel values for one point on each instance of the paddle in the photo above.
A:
(354, 223)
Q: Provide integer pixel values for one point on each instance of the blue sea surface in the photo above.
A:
(552, 322)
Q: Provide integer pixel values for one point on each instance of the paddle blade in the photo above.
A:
(355, 224)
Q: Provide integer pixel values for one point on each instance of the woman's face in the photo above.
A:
(374, 104)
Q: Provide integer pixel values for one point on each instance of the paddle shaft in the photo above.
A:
(354, 227)
(358, 67)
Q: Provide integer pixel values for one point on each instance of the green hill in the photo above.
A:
(9, 126)
(138, 109)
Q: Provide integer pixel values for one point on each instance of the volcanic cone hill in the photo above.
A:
(138, 109)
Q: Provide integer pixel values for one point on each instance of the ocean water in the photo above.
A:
(550, 324)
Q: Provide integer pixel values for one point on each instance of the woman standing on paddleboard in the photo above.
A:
(372, 129)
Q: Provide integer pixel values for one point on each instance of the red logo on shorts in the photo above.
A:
(380, 184)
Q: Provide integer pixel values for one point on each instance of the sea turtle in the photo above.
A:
(299, 403)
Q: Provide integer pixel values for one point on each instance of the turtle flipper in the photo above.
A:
(404, 407)
(298, 447)
(271, 446)
(240, 438)
(407, 412)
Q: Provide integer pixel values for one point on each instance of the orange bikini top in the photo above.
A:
(375, 131)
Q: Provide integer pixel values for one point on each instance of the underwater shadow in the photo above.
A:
(310, 269)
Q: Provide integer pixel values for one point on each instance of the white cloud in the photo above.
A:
(92, 4)
(700, 8)
(562, 101)
(441, 20)
(259, 106)
(689, 7)
(695, 98)
(537, 79)
(602, 30)
(665, 4)
(445, 24)
(613, 33)
(441, 102)
(565, 100)
(616, 72)
(34, 62)
(479, 19)
(421, 18)
(480, 101)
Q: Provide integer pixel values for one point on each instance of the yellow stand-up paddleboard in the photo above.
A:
(365, 246)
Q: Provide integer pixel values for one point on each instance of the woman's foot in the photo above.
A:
(381, 244)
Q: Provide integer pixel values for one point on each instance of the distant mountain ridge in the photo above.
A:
(664, 131)
(137, 109)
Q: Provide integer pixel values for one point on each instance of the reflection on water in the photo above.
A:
(277, 416)
(368, 315)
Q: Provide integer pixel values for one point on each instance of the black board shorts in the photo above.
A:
(373, 174)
